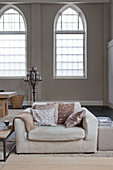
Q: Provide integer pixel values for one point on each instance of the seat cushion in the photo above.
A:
(58, 133)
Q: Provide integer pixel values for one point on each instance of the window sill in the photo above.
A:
(71, 78)
(16, 77)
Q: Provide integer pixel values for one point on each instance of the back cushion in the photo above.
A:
(65, 109)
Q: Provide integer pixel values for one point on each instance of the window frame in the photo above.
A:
(2, 11)
(77, 9)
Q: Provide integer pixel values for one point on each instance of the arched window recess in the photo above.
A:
(70, 43)
(13, 33)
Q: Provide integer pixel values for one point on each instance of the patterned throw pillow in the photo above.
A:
(75, 118)
(44, 117)
(39, 106)
(65, 110)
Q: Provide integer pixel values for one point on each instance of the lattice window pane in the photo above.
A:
(12, 20)
(12, 44)
(69, 20)
(69, 54)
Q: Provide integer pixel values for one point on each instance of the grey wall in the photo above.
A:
(110, 63)
(40, 20)
(111, 19)
(110, 73)
(98, 35)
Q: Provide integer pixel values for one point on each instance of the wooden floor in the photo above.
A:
(101, 111)
(58, 163)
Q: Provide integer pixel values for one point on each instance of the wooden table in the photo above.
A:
(4, 96)
(4, 138)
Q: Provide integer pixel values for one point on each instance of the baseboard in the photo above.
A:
(82, 102)
(110, 105)
(91, 102)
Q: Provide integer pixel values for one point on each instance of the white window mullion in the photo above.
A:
(61, 21)
(14, 32)
(3, 22)
(69, 32)
(78, 21)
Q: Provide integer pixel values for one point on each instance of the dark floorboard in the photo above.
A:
(101, 111)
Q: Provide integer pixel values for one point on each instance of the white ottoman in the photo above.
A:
(105, 138)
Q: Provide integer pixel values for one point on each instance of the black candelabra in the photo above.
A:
(33, 77)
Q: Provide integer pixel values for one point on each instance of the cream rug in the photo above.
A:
(57, 163)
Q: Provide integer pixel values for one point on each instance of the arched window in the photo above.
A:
(12, 43)
(70, 41)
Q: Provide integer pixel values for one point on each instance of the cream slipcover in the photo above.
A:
(58, 133)
(86, 142)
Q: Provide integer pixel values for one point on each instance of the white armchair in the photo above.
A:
(58, 139)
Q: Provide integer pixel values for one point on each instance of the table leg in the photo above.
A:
(6, 155)
(4, 149)
(2, 108)
(6, 106)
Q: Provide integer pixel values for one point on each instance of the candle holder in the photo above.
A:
(33, 78)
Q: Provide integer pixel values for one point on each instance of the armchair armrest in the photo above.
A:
(90, 124)
(20, 130)
(27, 117)
(22, 144)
